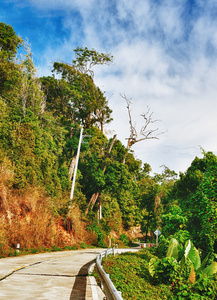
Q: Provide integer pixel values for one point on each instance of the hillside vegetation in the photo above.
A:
(40, 122)
(143, 275)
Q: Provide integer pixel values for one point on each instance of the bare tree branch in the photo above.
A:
(146, 133)
(133, 132)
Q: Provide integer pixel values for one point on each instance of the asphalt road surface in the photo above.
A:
(57, 275)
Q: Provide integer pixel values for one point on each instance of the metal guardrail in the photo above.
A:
(109, 288)
(148, 245)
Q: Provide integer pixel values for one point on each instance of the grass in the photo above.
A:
(24, 251)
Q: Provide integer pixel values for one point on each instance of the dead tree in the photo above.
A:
(146, 133)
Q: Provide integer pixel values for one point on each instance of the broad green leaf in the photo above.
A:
(204, 262)
(188, 248)
(151, 266)
(192, 254)
(197, 262)
(211, 269)
(173, 249)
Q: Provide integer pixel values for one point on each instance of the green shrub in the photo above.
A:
(182, 268)
(83, 245)
(100, 236)
(124, 239)
(163, 270)
(178, 276)
(55, 248)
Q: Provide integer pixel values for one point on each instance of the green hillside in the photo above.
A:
(40, 122)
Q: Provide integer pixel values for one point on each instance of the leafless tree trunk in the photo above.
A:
(145, 133)
(71, 167)
(92, 201)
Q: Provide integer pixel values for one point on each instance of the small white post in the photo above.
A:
(18, 247)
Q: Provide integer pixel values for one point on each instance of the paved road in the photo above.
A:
(58, 275)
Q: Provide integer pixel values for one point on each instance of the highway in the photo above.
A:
(57, 275)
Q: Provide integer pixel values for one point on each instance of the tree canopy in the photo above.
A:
(39, 132)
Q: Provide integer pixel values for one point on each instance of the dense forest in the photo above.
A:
(40, 123)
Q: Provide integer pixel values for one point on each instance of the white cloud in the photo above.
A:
(163, 58)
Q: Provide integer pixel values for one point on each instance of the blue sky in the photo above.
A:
(165, 57)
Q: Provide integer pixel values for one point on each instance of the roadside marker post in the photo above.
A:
(157, 233)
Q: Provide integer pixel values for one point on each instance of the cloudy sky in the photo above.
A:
(165, 57)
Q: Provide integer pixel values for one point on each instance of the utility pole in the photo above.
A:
(76, 165)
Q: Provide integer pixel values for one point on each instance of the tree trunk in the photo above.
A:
(129, 144)
(92, 201)
(110, 149)
(95, 196)
(71, 167)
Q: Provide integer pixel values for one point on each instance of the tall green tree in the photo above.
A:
(196, 191)
(155, 194)
(86, 59)
(149, 190)
(9, 42)
(26, 138)
(75, 97)
(86, 102)
(9, 69)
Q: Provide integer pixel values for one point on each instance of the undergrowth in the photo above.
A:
(130, 275)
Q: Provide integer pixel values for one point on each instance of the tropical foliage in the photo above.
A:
(40, 122)
(196, 191)
(39, 133)
(179, 275)
(183, 269)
